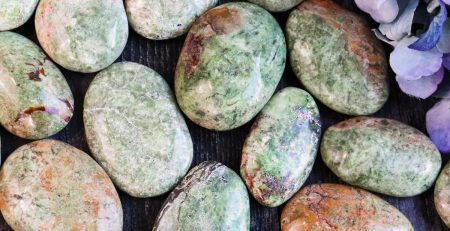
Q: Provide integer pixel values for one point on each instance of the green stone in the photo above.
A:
(211, 197)
(82, 36)
(277, 5)
(442, 194)
(230, 65)
(15, 13)
(281, 148)
(321, 207)
(337, 58)
(156, 19)
(35, 97)
(135, 130)
(381, 155)
(50, 185)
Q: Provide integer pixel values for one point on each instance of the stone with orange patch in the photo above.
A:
(340, 207)
(230, 64)
(338, 59)
(37, 192)
(442, 194)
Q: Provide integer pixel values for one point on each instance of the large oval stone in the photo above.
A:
(442, 194)
(335, 55)
(50, 185)
(277, 5)
(135, 130)
(35, 97)
(280, 150)
(230, 65)
(84, 36)
(15, 13)
(340, 207)
(210, 197)
(156, 19)
(381, 155)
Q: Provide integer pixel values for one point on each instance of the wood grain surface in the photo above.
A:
(140, 214)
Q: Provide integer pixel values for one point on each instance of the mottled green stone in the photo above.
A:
(337, 58)
(280, 150)
(156, 19)
(277, 5)
(15, 13)
(84, 36)
(135, 130)
(442, 194)
(210, 198)
(230, 65)
(321, 207)
(36, 101)
(49, 185)
(381, 155)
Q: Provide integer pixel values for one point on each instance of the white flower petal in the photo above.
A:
(382, 11)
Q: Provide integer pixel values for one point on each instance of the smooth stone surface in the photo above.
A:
(277, 5)
(35, 97)
(156, 19)
(340, 207)
(381, 155)
(281, 148)
(442, 195)
(135, 130)
(15, 13)
(83, 36)
(50, 185)
(230, 65)
(337, 58)
(211, 197)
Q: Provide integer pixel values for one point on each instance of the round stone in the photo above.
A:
(50, 185)
(277, 5)
(83, 36)
(210, 197)
(281, 148)
(156, 19)
(35, 97)
(337, 57)
(442, 195)
(381, 155)
(230, 65)
(340, 207)
(135, 130)
(15, 13)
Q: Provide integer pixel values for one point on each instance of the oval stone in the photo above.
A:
(50, 185)
(156, 19)
(442, 194)
(35, 97)
(337, 58)
(230, 65)
(210, 197)
(277, 5)
(340, 207)
(280, 150)
(15, 13)
(135, 130)
(83, 36)
(381, 155)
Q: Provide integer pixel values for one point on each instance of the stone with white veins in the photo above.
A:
(135, 130)
(164, 19)
(84, 36)
(15, 13)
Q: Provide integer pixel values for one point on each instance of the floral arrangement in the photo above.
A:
(419, 32)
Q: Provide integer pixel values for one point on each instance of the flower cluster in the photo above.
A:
(419, 32)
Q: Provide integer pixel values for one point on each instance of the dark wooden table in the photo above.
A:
(225, 147)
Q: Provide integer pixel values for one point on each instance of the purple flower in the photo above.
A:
(382, 11)
(438, 125)
(423, 87)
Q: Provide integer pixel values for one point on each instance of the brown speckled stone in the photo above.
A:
(338, 207)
